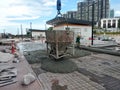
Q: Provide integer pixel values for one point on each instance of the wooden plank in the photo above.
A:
(8, 83)
(5, 81)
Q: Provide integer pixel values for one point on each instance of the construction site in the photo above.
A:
(60, 60)
(59, 63)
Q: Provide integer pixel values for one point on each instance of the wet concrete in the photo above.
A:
(31, 46)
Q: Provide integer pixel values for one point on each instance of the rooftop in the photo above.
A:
(36, 30)
(62, 20)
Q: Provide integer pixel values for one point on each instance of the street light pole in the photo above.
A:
(4, 32)
(92, 21)
(21, 31)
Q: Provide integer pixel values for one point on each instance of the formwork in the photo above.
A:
(58, 42)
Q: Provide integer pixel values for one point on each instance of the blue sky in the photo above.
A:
(13, 13)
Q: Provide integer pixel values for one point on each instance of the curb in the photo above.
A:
(111, 52)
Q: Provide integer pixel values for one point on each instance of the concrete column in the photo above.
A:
(106, 24)
(101, 23)
(111, 22)
(116, 24)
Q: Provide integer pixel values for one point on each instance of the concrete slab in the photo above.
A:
(5, 57)
(74, 81)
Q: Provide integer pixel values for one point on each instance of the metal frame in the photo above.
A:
(58, 48)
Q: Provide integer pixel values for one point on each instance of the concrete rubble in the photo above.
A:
(28, 78)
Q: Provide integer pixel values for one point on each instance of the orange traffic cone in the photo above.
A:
(13, 48)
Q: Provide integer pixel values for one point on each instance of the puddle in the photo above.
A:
(31, 46)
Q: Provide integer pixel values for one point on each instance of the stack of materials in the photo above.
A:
(5, 57)
(7, 74)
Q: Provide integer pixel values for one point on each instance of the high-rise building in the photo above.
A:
(70, 14)
(101, 9)
(112, 13)
(85, 11)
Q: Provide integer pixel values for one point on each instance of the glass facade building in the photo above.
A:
(84, 10)
(112, 13)
(101, 9)
(70, 14)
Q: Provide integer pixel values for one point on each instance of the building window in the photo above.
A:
(114, 24)
(104, 24)
(109, 23)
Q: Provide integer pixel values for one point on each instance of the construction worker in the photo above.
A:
(13, 48)
(78, 40)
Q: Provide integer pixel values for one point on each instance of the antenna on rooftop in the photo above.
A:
(30, 25)
(17, 31)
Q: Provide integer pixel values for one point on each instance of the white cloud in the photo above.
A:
(117, 13)
(24, 10)
(49, 2)
(16, 12)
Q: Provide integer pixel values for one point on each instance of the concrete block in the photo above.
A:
(28, 78)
